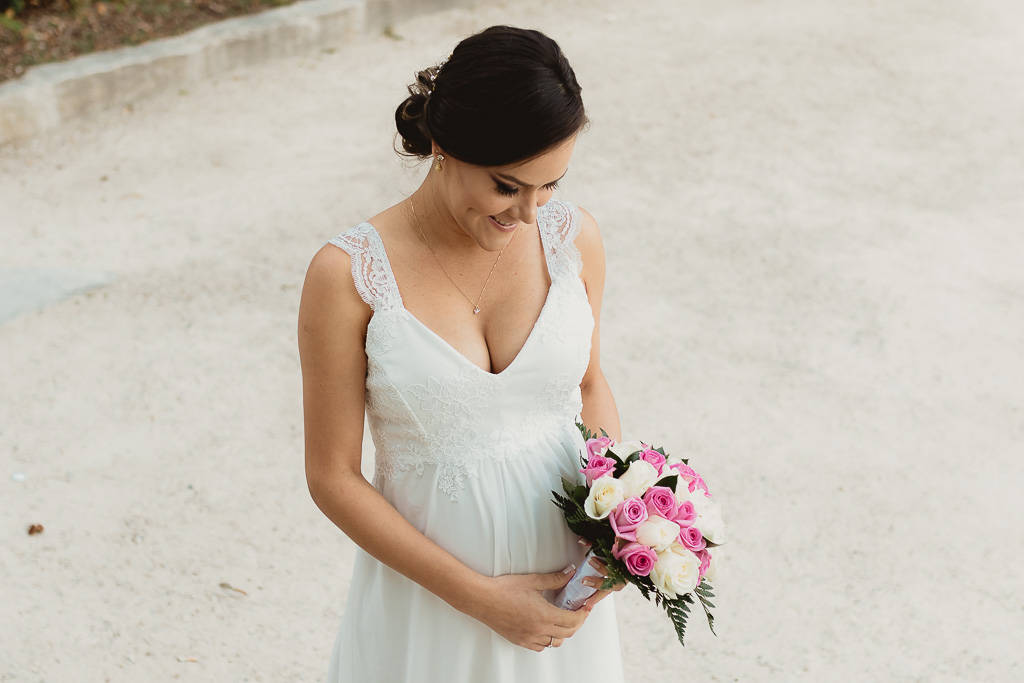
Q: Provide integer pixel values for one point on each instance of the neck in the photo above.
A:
(429, 215)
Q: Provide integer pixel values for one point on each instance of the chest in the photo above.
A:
(511, 292)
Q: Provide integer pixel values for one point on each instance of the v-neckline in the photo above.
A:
(444, 342)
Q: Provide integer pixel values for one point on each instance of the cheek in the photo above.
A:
(487, 202)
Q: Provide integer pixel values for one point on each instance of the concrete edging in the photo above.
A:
(52, 94)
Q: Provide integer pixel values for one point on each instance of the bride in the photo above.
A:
(463, 322)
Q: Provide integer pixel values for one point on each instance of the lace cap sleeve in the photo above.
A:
(563, 221)
(371, 271)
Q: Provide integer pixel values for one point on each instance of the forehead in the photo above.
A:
(544, 168)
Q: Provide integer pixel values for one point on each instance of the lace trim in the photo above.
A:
(563, 221)
(458, 448)
(371, 270)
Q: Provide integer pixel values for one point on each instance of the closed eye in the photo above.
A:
(510, 191)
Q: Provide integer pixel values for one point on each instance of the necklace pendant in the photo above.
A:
(476, 310)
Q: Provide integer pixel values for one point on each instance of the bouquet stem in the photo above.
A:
(575, 593)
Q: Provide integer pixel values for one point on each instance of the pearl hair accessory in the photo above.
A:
(433, 76)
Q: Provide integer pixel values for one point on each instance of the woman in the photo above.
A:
(464, 322)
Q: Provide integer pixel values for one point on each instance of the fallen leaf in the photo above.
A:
(232, 588)
(187, 659)
(35, 529)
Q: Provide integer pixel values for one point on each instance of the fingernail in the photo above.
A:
(570, 569)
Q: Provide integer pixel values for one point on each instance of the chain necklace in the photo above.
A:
(476, 304)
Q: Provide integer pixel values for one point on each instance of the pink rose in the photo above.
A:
(661, 500)
(692, 479)
(692, 538)
(597, 466)
(654, 457)
(686, 515)
(598, 445)
(627, 516)
(705, 562)
(639, 558)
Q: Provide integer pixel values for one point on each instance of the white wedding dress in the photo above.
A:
(470, 459)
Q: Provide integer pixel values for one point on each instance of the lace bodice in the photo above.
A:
(430, 407)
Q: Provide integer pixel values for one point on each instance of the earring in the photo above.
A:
(440, 158)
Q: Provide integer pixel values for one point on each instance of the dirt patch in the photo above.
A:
(40, 31)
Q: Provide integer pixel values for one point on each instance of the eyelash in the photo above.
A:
(513, 191)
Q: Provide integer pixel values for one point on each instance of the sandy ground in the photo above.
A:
(816, 290)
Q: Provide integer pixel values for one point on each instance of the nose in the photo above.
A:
(526, 209)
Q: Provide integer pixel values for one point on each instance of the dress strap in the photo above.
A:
(371, 269)
(559, 222)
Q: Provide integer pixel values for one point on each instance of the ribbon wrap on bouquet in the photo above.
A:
(575, 593)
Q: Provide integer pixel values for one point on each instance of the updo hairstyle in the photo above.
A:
(505, 95)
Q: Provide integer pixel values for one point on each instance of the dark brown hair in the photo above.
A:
(505, 95)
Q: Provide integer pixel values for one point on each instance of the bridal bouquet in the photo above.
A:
(650, 518)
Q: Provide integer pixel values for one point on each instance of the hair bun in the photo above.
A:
(410, 117)
(503, 95)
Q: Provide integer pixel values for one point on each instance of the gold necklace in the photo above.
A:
(476, 304)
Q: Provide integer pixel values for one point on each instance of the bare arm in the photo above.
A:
(599, 409)
(331, 330)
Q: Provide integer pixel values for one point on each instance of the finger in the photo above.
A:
(594, 599)
(556, 579)
(557, 642)
(569, 619)
(560, 631)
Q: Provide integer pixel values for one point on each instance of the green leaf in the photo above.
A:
(669, 481)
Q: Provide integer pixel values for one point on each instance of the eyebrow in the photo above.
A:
(520, 182)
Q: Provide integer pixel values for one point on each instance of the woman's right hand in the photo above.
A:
(513, 606)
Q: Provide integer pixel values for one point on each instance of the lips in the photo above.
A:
(501, 226)
(507, 225)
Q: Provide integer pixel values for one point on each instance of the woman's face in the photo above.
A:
(489, 202)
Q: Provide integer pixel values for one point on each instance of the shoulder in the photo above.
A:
(587, 238)
(329, 290)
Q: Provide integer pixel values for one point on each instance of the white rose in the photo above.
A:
(676, 571)
(712, 573)
(626, 448)
(639, 476)
(604, 495)
(657, 532)
(709, 521)
(699, 500)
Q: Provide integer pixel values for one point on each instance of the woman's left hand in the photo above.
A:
(600, 566)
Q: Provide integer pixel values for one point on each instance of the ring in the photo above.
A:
(552, 641)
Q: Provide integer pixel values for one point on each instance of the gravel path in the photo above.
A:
(812, 217)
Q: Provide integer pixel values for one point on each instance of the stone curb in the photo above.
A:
(52, 94)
